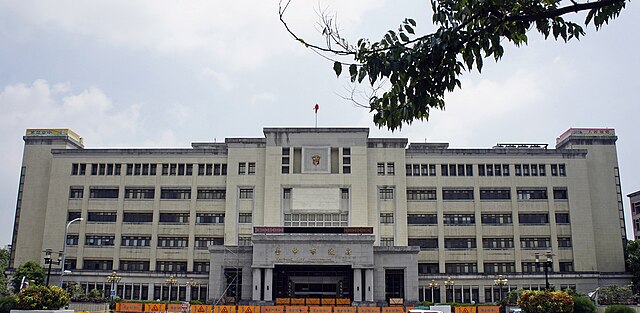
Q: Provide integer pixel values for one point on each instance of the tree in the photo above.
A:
(32, 273)
(410, 73)
(632, 253)
(4, 262)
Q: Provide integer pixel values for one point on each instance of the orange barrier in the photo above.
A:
(272, 309)
(313, 301)
(225, 309)
(368, 309)
(174, 307)
(155, 307)
(465, 309)
(198, 308)
(328, 301)
(128, 307)
(488, 309)
(319, 309)
(248, 309)
(297, 309)
(297, 301)
(283, 301)
(344, 309)
(343, 301)
(407, 308)
(393, 309)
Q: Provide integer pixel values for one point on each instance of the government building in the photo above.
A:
(322, 213)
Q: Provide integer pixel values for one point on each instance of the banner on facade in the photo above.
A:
(465, 309)
(489, 309)
(155, 307)
(128, 307)
(198, 308)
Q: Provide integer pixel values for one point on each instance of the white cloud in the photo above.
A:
(262, 98)
(222, 79)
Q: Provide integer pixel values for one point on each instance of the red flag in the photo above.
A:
(315, 108)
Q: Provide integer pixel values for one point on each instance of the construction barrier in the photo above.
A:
(128, 307)
(174, 307)
(198, 308)
(393, 309)
(368, 309)
(328, 301)
(313, 301)
(297, 301)
(155, 307)
(319, 309)
(465, 309)
(249, 309)
(343, 301)
(344, 309)
(225, 309)
(283, 301)
(297, 309)
(272, 309)
(488, 309)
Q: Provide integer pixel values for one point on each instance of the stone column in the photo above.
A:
(369, 284)
(357, 285)
(257, 284)
(268, 284)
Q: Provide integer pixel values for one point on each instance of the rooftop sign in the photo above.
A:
(53, 132)
(586, 132)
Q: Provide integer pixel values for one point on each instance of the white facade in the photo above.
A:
(407, 214)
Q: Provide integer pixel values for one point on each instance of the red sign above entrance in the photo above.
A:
(311, 230)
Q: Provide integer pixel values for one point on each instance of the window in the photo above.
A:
(461, 268)
(422, 219)
(525, 169)
(497, 243)
(171, 266)
(137, 217)
(98, 265)
(533, 218)
(505, 169)
(566, 267)
(139, 193)
(99, 241)
(245, 218)
(72, 240)
(535, 243)
(244, 241)
(211, 194)
(499, 268)
(564, 242)
(554, 169)
(134, 266)
(562, 170)
(459, 219)
(481, 170)
(136, 241)
(562, 218)
(316, 219)
(386, 218)
(179, 169)
(518, 169)
(380, 168)
(444, 170)
(73, 215)
(252, 168)
(204, 242)
(542, 170)
(76, 192)
(201, 267)
(246, 193)
(104, 169)
(495, 194)
(344, 193)
(531, 267)
(175, 193)
(532, 194)
(385, 193)
(424, 243)
(386, 242)
(141, 169)
(560, 194)
(101, 217)
(174, 218)
(457, 194)
(460, 243)
(103, 193)
(421, 194)
(78, 169)
(391, 168)
(209, 218)
(346, 161)
(428, 268)
(173, 242)
(496, 219)
(242, 168)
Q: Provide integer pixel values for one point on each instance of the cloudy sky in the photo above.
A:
(165, 73)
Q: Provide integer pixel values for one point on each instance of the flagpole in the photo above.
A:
(315, 109)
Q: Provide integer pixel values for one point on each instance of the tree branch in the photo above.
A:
(577, 7)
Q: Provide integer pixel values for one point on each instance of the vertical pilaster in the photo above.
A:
(268, 284)
(357, 285)
(369, 284)
(257, 284)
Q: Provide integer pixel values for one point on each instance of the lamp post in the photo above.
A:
(500, 281)
(190, 284)
(433, 285)
(64, 248)
(449, 285)
(114, 279)
(170, 282)
(547, 264)
(48, 260)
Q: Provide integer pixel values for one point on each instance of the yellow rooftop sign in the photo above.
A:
(53, 132)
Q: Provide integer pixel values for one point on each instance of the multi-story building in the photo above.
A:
(324, 213)
(634, 199)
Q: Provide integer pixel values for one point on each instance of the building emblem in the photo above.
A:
(348, 251)
(331, 251)
(277, 251)
(315, 159)
(294, 250)
(313, 251)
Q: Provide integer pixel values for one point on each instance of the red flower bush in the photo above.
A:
(545, 302)
(42, 298)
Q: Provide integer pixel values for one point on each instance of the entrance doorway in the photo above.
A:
(302, 281)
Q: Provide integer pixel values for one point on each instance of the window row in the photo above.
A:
(423, 169)
(492, 193)
(489, 219)
(147, 217)
(390, 169)
(490, 268)
(149, 193)
(246, 168)
(138, 265)
(533, 243)
(149, 169)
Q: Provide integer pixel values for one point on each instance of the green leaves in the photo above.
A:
(337, 67)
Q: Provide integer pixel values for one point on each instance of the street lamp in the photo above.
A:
(64, 248)
(48, 260)
(114, 279)
(548, 264)
(171, 281)
(449, 285)
(190, 284)
(433, 285)
(501, 281)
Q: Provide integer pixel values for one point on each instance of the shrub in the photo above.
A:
(619, 309)
(545, 302)
(42, 298)
(582, 304)
(8, 303)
